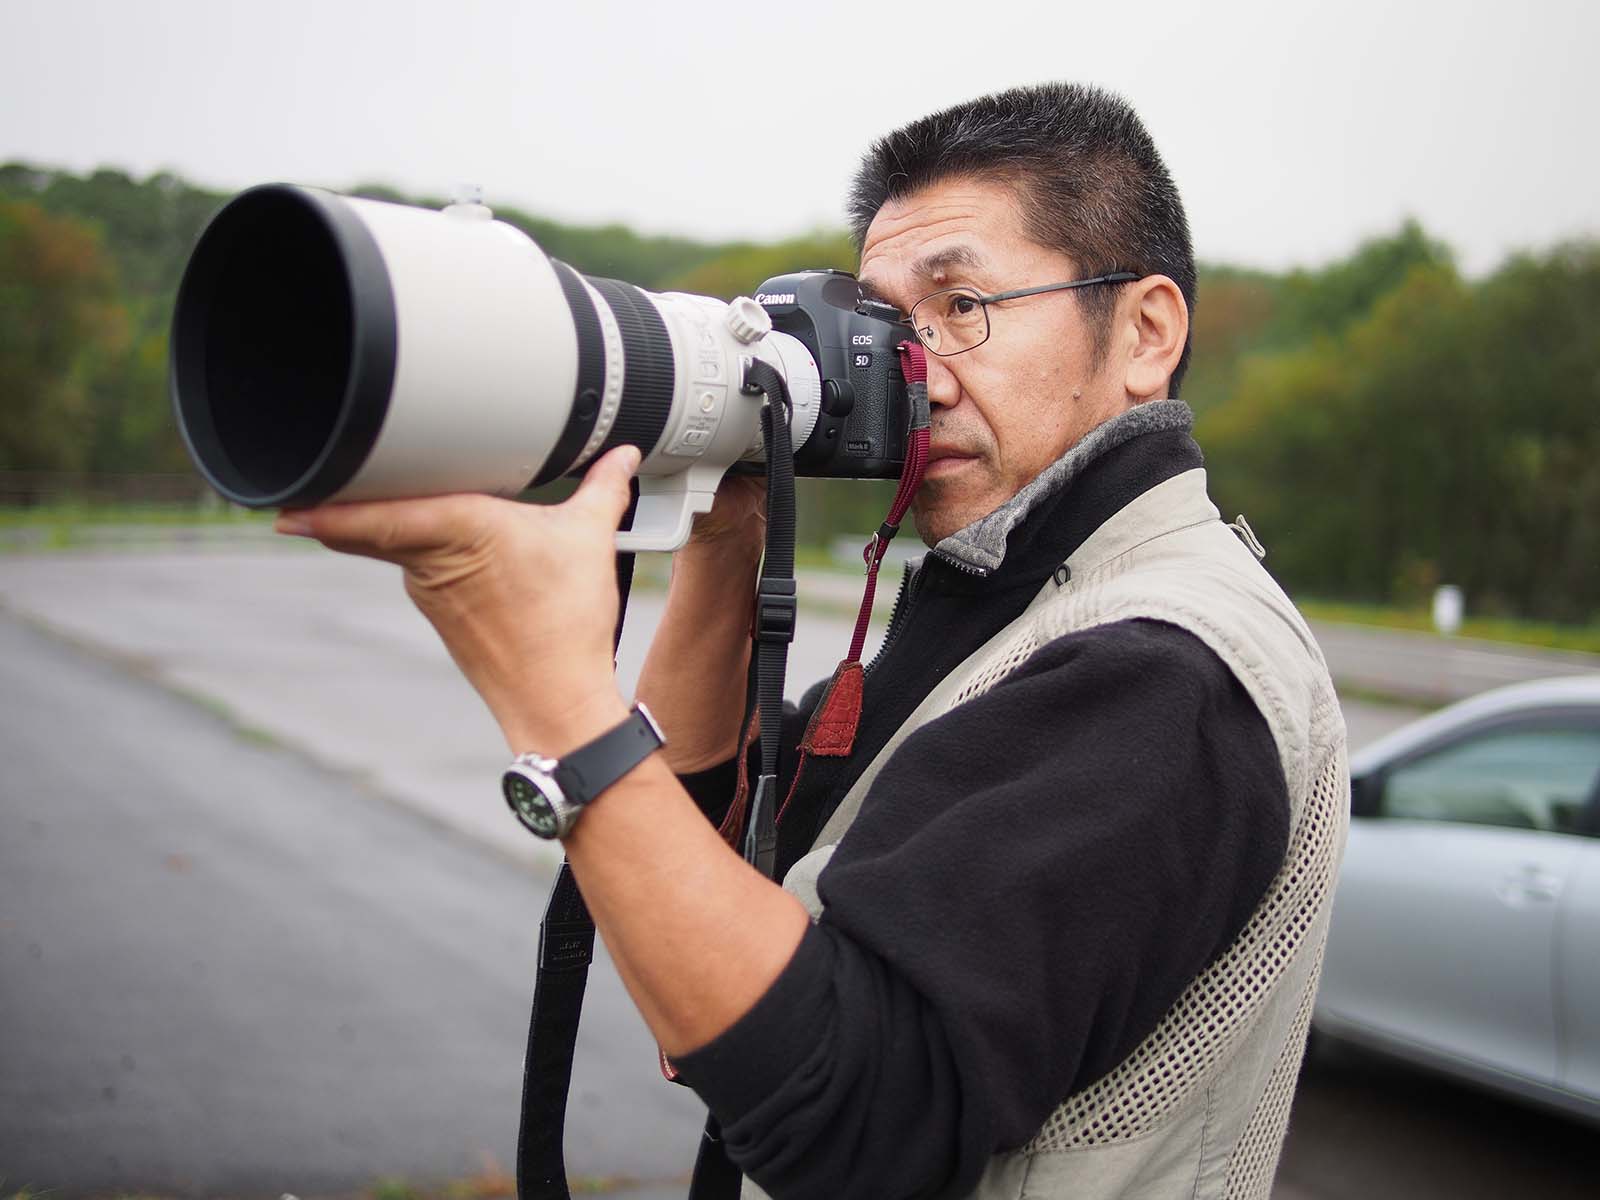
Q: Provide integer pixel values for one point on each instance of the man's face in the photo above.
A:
(1005, 410)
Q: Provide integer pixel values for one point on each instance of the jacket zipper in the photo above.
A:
(910, 582)
(967, 568)
(897, 616)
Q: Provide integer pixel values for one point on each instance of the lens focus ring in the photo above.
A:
(649, 371)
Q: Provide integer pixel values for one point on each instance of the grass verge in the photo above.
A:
(71, 513)
(69, 525)
(1581, 638)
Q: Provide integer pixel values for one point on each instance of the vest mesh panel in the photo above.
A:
(1255, 1159)
(1021, 648)
(1218, 1008)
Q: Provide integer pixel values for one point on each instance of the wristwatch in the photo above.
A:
(547, 795)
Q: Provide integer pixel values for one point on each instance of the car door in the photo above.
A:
(1578, 966)
(1445, 921)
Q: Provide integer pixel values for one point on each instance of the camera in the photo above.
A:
(327, 348)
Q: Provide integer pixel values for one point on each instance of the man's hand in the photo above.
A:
(524, 596)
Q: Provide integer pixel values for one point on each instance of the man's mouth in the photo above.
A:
(946, 460)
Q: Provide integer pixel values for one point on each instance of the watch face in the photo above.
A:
(532, 806)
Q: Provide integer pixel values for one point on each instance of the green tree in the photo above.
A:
(148, 228)
(1236, 309)
(1325, 301)
(60, 321)
(1538, 365)
(740, 270)
(1446, 436)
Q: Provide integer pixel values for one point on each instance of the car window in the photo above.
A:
(1526, 778)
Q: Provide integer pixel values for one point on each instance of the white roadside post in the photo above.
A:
(1447, 609)
(1448, 605)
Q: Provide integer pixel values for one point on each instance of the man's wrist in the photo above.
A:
(718, 563)
(560, 728)
(712, 593)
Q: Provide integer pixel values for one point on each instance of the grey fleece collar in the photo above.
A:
(981, 546)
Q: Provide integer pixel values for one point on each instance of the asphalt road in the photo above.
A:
(1364, 1128)
(226, 971)
(264, 927)
(324, 653)
(1435, 670)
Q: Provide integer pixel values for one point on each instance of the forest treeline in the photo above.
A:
(1386, 423)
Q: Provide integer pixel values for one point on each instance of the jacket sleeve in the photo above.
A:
(1033, 881)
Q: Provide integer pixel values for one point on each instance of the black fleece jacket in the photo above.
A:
(1034, 879)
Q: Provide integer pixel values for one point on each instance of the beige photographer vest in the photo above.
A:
(1199, 1110)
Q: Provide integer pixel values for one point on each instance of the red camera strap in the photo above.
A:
(914, 366)
(831, 732)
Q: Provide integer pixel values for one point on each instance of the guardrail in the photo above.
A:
(31, 489)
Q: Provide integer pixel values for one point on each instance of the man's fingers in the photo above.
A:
(403, 531)
(389, 529)
(605, 489)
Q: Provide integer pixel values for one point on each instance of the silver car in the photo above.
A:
(1466, 927)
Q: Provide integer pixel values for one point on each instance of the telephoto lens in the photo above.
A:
(326, 348)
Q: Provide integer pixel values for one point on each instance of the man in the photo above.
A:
(1055, 921)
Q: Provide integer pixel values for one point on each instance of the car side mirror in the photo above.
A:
(1366, 796)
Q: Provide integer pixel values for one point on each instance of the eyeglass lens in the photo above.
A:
(950, 322)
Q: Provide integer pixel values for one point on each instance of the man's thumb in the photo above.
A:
(605, 484)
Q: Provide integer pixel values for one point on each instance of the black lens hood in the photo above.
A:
(239, 324)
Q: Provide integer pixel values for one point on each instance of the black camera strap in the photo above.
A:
(773, 627)
(715, 1176)
(566, 936)
(566, 948)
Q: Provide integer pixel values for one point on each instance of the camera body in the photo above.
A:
(861, 427)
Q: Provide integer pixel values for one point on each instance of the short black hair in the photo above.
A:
(1089, 179)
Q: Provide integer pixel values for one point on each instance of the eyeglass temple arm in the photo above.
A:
(1117, 277)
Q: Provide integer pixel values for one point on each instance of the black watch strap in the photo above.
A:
(591, 769)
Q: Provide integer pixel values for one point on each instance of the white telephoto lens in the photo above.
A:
(332, 349)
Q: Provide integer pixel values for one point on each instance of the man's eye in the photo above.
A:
(963, 306)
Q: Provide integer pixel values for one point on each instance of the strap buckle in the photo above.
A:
(872, 554)
(761, 839)
(565, 946)
(775, 615)
(869, 555)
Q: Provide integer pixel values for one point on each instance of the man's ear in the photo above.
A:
(1157, 323)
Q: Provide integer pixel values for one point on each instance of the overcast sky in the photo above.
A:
(1293, 129)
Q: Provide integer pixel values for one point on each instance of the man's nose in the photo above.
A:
(944, 389)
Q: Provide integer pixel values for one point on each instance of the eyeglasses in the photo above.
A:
(956, 320)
